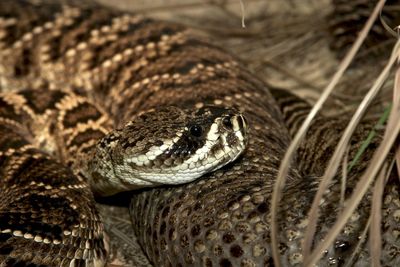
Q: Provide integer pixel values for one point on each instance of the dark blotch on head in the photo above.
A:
(184, 147)
(226, 121)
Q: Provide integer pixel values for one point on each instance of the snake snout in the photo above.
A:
(239, 123)
(243, 125)
(235, 122)
(236, 125)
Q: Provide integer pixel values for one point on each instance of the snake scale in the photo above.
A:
(71, 72)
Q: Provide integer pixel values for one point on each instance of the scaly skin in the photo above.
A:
(129, 64)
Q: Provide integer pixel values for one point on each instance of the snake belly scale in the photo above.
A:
(70, 73)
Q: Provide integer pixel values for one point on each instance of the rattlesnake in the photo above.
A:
(55, 57)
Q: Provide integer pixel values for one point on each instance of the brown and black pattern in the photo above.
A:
(128, 64)
(47, 213)
(347, 19)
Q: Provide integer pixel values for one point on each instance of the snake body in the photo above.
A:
(94, 69)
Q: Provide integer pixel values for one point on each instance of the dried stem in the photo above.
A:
(343, 143)
(365, 180)
(284, 167)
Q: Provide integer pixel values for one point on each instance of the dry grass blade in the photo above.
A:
(387, 27)
(360, 190)
(396, 99)
(376, 208)
(242, 10)
(284, 167)
(375, 229)
(334, 162)
(379, 157)
(398, 161)
(343, 143)
(344, 178)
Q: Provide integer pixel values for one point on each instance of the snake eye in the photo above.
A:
(226, 121)
(196, 130)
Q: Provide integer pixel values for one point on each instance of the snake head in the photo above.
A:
(168, 145)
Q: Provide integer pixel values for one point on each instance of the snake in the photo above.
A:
(96, 101)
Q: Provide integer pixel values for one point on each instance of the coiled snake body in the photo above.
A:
(74, 72)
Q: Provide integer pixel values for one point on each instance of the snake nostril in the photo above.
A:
(226, 121)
